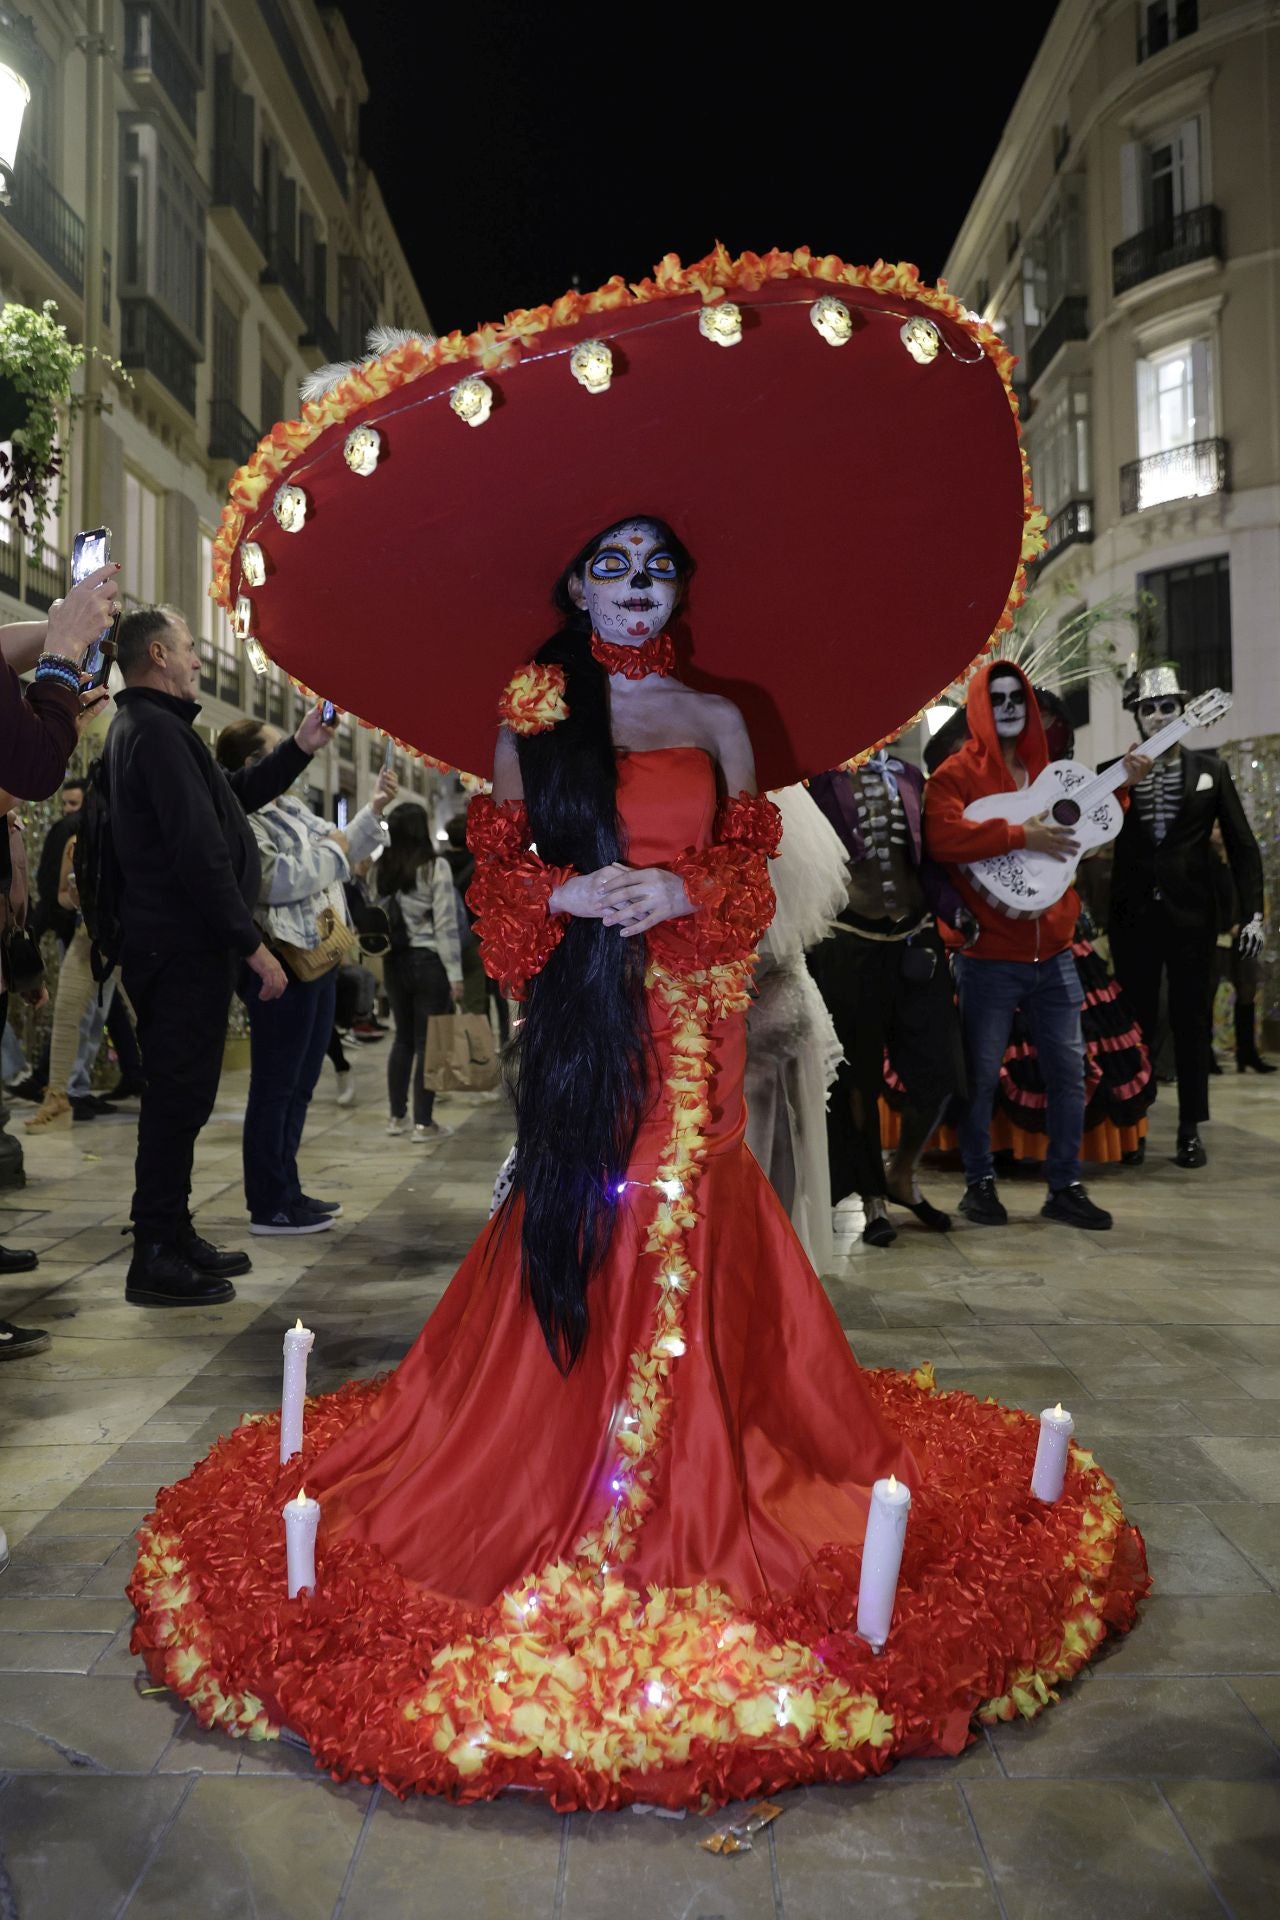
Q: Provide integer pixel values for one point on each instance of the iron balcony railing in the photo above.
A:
(1196, 235)
(1068, 321)
(282, 270)
(150, 47)
(320, 332)
(47, 576)
(231, 435)
(1181, 473)
(1071, 524)
(48, 222)
(152, 343)
(233, 187)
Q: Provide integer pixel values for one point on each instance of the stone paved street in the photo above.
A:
(1152, 1789)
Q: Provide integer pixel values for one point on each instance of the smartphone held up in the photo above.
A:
(91, 550)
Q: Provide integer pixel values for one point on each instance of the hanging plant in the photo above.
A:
(37, 365)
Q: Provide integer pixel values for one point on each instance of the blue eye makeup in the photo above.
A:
(609, 564)
(662, 566)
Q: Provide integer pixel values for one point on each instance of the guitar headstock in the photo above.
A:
(1208, 707)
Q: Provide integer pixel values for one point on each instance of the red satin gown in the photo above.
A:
(480, 1621)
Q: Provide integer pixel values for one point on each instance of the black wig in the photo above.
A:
(578, 1066)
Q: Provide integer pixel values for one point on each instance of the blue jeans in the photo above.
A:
(92, 1023)
(1051, 996)
(288, 1038)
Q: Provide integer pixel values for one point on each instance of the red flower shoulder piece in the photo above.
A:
(517, 932)
(728, 884)
(533, 699)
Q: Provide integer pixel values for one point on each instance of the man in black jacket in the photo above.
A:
(189, 877)
(1164, 914)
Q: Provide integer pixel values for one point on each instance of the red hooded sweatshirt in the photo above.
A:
(978, 768)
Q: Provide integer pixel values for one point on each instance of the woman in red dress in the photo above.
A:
(600, 1533)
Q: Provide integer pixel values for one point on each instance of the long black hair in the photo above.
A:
(409, 849)
(578, 1066)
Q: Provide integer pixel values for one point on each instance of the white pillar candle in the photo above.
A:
(881, 1559)
(1050, 1470)
(298, 1343)
(301, 1518)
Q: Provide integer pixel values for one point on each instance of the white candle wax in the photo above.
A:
(1050, 1470)
(298, 1343)
(881, 1558)
(301, 1518)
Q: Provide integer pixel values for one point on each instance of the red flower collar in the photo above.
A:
(656, 655)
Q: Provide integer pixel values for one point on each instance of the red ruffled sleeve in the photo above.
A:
(728, 884)
(509, 895)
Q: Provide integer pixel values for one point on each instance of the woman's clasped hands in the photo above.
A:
(632, 899)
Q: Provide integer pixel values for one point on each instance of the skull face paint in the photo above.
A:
(1008, 704)
(630, 586)
(1154, 714)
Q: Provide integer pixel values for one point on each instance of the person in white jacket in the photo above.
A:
(305, 860)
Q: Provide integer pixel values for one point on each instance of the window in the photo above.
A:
(1161, 179)
(162, 220)
(219, 648)
(1163, 22)
(1060, 454)
(226, 353)
(137, 551)
(271, 393)
(1012, 238)
(1175, 398)
(1190, 620)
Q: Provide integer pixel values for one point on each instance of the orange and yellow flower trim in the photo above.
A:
(533, 699)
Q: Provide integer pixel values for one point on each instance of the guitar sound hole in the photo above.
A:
(1066, 813)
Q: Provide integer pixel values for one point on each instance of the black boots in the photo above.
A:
(1190, 1150)
(1247, 1054)
(982, 1205)
(160, 1276)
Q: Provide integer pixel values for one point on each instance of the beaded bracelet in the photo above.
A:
(56, 667)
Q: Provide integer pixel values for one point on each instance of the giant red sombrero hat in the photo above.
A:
(853, 491)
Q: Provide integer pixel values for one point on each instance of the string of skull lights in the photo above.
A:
(591, 364)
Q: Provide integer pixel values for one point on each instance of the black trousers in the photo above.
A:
(1144, 951)
(181, 1002)
(417, 987)
(876, 1005)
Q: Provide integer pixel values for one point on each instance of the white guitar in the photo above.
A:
(1024, 884)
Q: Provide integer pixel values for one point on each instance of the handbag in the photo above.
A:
(372, 924)
(23, 966)
(460, 1056)
(337, 943)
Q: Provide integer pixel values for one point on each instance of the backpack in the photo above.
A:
(98, 878)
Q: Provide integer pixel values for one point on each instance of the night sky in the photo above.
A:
(521, 145)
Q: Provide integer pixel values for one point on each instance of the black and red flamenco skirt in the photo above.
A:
(596, 1690)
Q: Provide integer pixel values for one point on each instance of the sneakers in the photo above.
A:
(346, 1090)
(1190, 1151)
(432, 1131)
(88, 1106)
(397, 1125)
(983, 1206)
(292, 1220)
(17, 1342)
(329, 1209)
(1072, 1207)
(159, 1276)
(206, 1258)
(29, 1089)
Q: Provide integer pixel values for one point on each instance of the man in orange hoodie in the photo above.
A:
(1023, 963)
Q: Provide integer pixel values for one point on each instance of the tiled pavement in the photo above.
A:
(1153, 1789)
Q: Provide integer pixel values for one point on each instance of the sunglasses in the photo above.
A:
(1162, 709)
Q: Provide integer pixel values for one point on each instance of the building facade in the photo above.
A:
(1126, 240)
(245, 242)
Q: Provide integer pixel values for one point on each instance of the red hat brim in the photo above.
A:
(858, 519)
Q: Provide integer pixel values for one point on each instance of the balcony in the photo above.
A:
(152, 344)
(47, 576)
(237, 210)
(1071, 525)
(1068, 321)
(1187, 237)
(1182, 473)
(231, 436)
(1165, 24)
(282, 281)
(319, 341)
(155, 60)
(48, 223)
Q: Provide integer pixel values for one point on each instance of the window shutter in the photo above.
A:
(1202, 388)
(1132, 160)
(1148, 411)
(1187, 177)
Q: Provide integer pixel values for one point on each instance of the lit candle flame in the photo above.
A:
(1058, 1410)
(298, 1327)
(302, 1497)
(893, 1484)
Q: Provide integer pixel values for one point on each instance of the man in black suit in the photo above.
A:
(1163, 917)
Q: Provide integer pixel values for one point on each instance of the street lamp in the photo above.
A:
(19, 56)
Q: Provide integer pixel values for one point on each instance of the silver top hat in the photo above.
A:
(1156, 683)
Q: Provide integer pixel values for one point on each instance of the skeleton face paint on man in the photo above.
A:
(1156, 713)
(1008, 704)
(630, 586)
